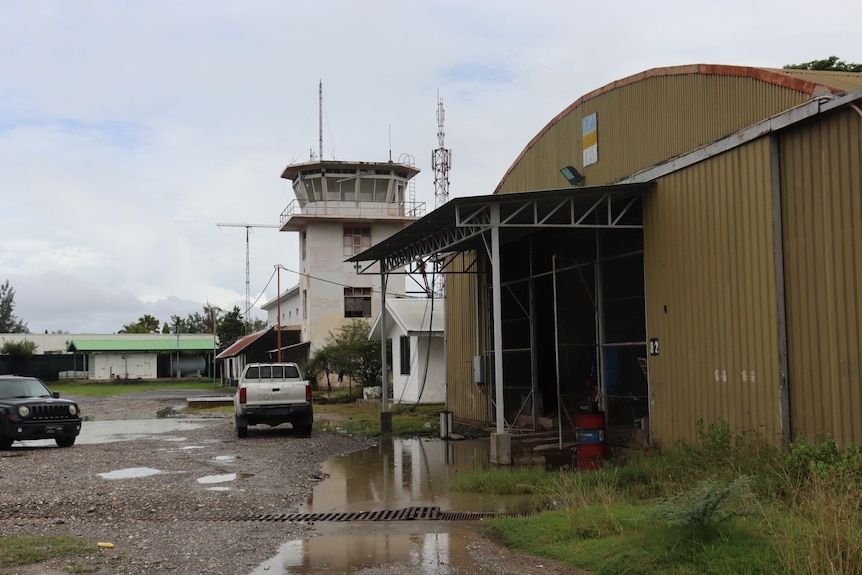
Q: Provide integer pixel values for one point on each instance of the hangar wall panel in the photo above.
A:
(821, 173)
(464, 398)
(710, 292)
(646, 123)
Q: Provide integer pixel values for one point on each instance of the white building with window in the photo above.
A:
(415, 327)
(340, 210)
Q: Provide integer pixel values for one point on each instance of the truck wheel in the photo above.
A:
(303, 429)
(5, 442)
(68, 441)
(241, 428)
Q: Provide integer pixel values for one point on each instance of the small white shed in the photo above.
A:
(415, 327)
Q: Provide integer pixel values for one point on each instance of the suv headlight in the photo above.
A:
(23, 411)
(73, 409)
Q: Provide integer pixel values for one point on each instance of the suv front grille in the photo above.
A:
(49, 412)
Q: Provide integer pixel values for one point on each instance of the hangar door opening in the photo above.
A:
(573, 328)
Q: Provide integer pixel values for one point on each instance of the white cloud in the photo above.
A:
(128, 130)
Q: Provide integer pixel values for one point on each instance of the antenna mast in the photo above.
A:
(441, 160)
(247, 275)
(320, 118)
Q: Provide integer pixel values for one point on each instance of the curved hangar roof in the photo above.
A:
(648, 118)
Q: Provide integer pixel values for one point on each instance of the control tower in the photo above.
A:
(341, 209)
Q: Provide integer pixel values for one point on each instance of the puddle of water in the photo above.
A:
(225, 457)
(111, 431)
(130, 473)
(396, 474)
(408, 473)
(224, 477)
(429, 553)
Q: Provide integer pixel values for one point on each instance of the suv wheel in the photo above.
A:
(65, 441)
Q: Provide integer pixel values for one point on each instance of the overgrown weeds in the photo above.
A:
(727, 504)
(819, 530)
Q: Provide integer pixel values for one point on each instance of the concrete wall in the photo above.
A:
(291, 313)
(419, 385)
(325, 274)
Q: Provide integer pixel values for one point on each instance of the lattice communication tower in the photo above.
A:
(441, 160)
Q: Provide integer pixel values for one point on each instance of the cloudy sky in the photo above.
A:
(129, 129)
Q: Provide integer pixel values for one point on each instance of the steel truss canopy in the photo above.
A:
(460, 224)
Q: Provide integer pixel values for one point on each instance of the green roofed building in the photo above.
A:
(144, 356)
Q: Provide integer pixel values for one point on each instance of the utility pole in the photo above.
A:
(247, 279)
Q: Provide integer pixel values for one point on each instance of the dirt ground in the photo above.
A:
(171, 523)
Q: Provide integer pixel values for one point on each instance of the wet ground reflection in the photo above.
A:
(408, 473)
(396, 474)
(429, 552)
(110, 431)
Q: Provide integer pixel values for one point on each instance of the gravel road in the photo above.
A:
(170, 522)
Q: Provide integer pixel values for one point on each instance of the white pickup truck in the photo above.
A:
(272, 394)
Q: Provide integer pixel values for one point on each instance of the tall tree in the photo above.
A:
(211, 317)
(9, 323)
(230, 327)
(832, 63)
(349, 350)
(196, 322)
(145, 324)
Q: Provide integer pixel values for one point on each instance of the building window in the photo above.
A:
(405, 355)
(357, 302)
(302, 244)
(305, 304)
(356, 240)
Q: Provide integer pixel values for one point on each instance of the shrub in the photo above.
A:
(709, 502)
(823, 459)
(20, 349)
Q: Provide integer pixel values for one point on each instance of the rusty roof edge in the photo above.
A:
(774, 76)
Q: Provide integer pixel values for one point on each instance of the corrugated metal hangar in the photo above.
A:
(677, 246)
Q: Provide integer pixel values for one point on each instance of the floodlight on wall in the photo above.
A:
(573, 176)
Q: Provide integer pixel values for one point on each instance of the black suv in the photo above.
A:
(28, 410)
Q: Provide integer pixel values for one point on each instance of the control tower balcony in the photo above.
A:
(332, 190)
(296, 216)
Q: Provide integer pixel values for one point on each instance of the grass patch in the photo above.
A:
(363, 418)
(504, 481)
(17, 551)
(123, 387)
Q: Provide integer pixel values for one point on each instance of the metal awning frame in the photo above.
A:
(464, 224)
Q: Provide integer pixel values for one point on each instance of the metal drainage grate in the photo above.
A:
(405, 514)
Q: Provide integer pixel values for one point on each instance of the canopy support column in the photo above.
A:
(501, 442)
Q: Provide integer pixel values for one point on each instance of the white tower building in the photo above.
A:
(341, 209)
